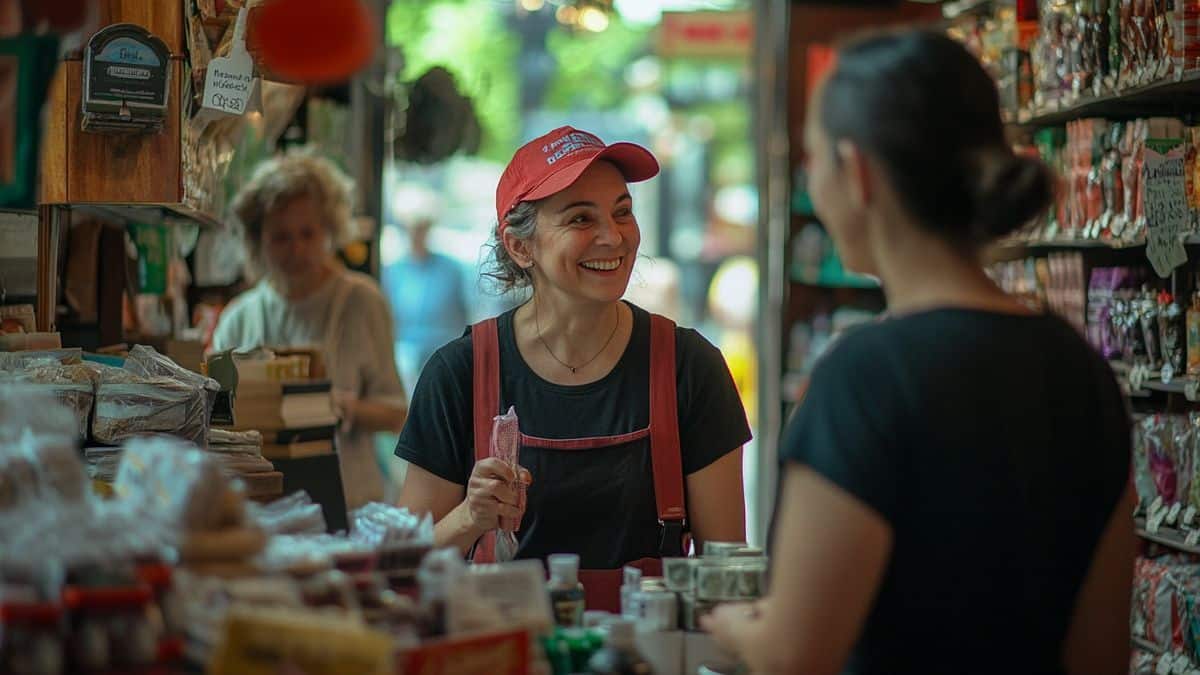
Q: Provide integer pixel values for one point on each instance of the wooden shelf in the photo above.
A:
(148, 213)
(1168, 97)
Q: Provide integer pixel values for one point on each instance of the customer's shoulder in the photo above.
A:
(244, 303)
(362, 287)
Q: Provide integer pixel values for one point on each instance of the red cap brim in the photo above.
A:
(634, 162)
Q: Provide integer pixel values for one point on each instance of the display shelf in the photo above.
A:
(1168, 536)
(148, 213)
(1159, 97)
(1146, 645)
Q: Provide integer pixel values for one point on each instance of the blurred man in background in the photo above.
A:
(428, 301)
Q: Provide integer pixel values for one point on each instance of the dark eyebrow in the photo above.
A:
(572, 205)
(624, 196)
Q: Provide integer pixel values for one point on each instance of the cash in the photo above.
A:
(679, 574)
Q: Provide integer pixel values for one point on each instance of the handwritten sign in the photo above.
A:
(1165, 204)
(229, 84)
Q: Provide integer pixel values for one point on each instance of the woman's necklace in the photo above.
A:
(585, 364)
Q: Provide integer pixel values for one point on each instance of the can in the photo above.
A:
(660, 610)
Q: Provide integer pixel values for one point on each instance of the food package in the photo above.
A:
(175, 483)
(74, 386)
(381, 525)
(128, 405)
(15, 361)
(506, 446)
(295, 514)
(145, 361)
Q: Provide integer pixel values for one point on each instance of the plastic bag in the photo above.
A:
(294, 514)
(379, 525)
(129, 405)
(175, 483)
(506, 446)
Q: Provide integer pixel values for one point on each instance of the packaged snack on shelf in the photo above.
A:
(173, 482)
(500, 597)
(1172, 331)
(296, 513)
(16, 361)
(439, 571)
(129, 405)
(145, 361)
(381, 525)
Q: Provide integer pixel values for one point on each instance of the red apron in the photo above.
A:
(603, 587)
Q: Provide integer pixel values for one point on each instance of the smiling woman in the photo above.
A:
(618, 407)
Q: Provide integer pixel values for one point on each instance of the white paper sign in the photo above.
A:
(229, 83)
(1166, 206)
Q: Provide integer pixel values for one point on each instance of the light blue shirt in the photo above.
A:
(429, 306)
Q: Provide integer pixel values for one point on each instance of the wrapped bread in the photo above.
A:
(178, 484)
(74, 386)
(128, 405)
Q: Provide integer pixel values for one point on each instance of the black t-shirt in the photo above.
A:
(596, 503)
(996, 446)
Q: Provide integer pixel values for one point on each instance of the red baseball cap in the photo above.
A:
(551, 163)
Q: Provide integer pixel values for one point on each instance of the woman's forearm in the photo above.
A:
(456, 529)
(375, 415)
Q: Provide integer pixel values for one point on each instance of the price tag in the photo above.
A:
(229, 83)
(1173, 513)
(1189, 515)
(1166, 205)
(1156, 505)
(1165, 663)
(1181, 664)
(1191, 389)
(1193, 538)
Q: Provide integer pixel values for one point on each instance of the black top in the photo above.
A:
(996, 446)
(596, 503)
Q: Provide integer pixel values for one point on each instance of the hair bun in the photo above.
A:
(1010, 191)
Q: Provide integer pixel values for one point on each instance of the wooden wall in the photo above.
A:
(124, 169)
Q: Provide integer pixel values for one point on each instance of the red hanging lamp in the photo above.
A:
(312, 41)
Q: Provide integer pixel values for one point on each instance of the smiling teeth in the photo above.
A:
(602, 265)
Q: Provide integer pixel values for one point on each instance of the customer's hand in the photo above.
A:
(729, 623)
(345, 405)
(492, 494)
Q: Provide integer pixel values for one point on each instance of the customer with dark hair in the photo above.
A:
(631, 428)
(954, 493)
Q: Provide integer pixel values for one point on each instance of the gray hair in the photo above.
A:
(280, 179)
(522, 221)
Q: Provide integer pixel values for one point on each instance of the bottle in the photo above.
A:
(566, 593)
(619, 656)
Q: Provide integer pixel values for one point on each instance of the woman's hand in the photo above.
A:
(728, 623)
(492, 495)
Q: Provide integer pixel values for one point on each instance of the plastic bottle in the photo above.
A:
(566, 593)
(619, 656)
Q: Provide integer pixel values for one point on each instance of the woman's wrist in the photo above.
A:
(458, 529)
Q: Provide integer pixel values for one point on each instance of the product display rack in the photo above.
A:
(1170, 96)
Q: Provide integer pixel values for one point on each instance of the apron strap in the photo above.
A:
(485, 345)
(664, 437)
